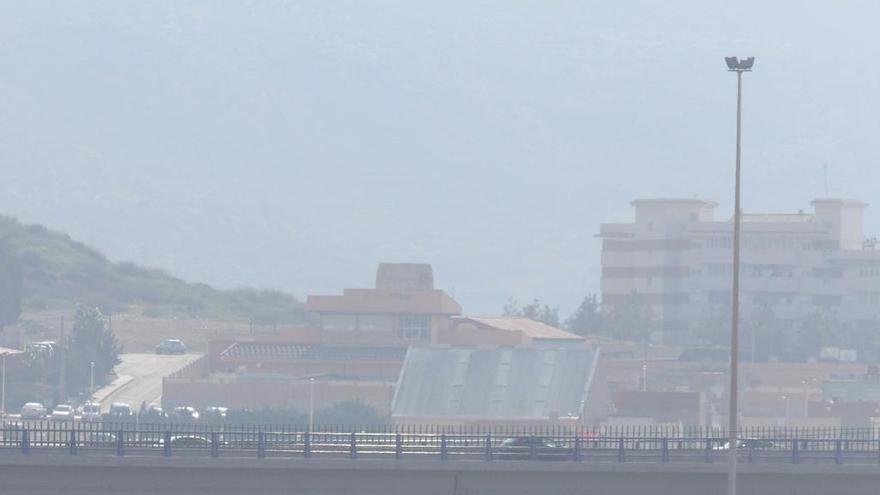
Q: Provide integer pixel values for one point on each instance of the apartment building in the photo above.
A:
(677, 257)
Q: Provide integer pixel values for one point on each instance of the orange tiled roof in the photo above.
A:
(529, 327)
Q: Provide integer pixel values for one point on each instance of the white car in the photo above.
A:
(33, 410)
(91, 411)
(62, 412)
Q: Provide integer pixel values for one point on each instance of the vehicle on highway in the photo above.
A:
(120, 411)
(62, 412)
(171, 346)
(44, 348)
(184, 413)
(532, 448)
(33, 410)
(91, 411)
(748, 443)
(97, 439)
(190, 441)
(215, 413)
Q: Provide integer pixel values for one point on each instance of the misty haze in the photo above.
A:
(459, 248)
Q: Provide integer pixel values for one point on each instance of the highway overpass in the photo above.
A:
(57, 474)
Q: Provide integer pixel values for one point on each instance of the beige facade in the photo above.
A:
(677, 257)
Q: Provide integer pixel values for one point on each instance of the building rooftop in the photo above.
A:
(673, 201)
(839, 201)
(268, 351)
(531, 328)
(777, 217)
(494, 383)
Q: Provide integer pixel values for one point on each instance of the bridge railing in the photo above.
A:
(576, 445)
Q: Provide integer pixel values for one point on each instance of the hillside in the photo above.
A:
(60, 272)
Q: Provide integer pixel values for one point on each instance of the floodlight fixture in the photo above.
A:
(735, 64)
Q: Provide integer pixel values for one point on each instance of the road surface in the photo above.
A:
(140, 379)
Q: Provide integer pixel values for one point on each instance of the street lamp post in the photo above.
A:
(739, 66)
(3, 393)
(644, 377)
(91, 378)
(787, 399)
(311, 403)
(807, 395)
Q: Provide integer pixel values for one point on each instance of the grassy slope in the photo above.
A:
(60, 272)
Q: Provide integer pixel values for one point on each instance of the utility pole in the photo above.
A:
(91, 379)
(3, 397)
(62, 373)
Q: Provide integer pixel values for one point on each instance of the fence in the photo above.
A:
(618, 444)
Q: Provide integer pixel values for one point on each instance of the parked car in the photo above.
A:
(185, 413)
(171, 346)
(62, 412)
(522, 448)
(33, 410)
(91, 411)
(153, 413)
(119, 411)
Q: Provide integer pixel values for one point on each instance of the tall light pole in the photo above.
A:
(739, 66)
(91, 378)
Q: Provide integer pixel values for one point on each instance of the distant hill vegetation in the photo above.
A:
(59, 272)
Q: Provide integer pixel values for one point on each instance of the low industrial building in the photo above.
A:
(497, 385)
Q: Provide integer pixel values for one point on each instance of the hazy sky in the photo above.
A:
(296, 144)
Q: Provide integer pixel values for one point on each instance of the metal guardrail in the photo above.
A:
(125, 439)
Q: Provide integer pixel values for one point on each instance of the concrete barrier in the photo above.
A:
(99, 475)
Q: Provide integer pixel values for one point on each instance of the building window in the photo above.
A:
(414, 327)
(872, 298)
(870, 271)
(338, 322)
(375, 323)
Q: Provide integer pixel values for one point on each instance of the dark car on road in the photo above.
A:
(153, 414)
(119, 412)
(171, 346)
(184, 414)
(532, 448)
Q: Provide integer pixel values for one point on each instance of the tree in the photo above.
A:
(11, 281)
(350, 412)
(821, 329)
(632, 319)
(92, 341)
(535, 311)
(587, 318)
